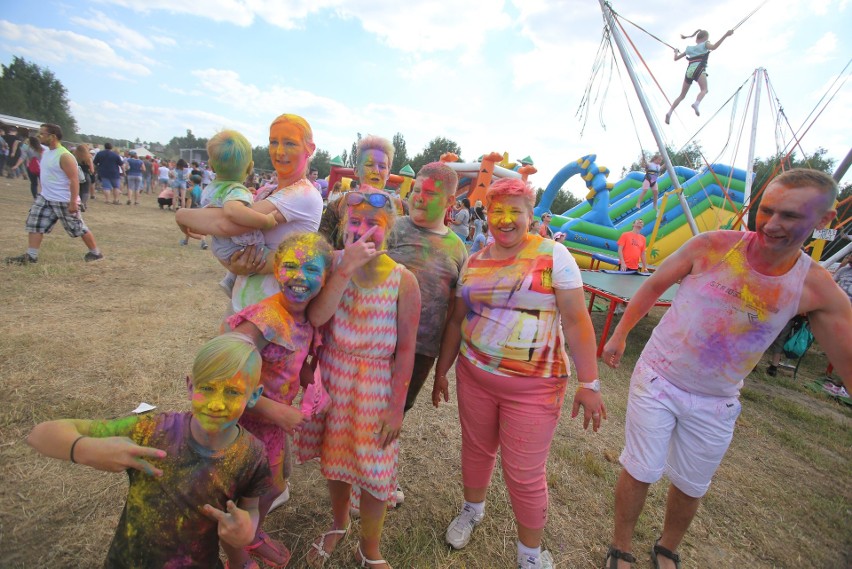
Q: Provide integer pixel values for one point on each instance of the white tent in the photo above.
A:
(142, 152)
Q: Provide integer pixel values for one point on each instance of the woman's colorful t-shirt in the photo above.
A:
(513, 324)
(162, 524)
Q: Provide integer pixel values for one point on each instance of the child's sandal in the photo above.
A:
(276, 546)
(364, 562)
(319, 546)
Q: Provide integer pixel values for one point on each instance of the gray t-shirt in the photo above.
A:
(436, 261)
(462, 220)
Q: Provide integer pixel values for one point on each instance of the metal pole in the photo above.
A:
(758, 73)
(649, 116)
(844, 165)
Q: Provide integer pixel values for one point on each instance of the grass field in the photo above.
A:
(94, 339)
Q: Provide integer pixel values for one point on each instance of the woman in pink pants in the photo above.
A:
(513, 370)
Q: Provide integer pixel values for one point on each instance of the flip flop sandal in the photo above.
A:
(364, 562)
(277, 547)
(319, 546)
(613, 555)
(668, 553)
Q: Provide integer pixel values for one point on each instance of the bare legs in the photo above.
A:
(630, 497)
(372, 521)
(683, 91)
(702, 84)
(644, 191)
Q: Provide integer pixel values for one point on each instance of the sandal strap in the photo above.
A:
(320, 547)
(666, 552)
(365, 562)
(618, 554)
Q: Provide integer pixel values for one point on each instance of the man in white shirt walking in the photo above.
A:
(60, 188)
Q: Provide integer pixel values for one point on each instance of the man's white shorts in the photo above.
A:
(673, 432)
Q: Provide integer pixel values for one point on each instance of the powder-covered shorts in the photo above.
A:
(673, 432)
(44, 214)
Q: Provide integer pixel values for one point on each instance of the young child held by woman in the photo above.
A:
(230, 157)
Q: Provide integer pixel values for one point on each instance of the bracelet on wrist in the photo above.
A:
(594, 385)
(74, 444)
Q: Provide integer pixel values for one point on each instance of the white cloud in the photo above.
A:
(164, 41)
(429, 26)
(823, 49)
(409, 27)
(118, 34)
(156, 123)
(228, 88)
(237, 12)
(58, 46)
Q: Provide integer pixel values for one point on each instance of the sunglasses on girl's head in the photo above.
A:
(376, 200)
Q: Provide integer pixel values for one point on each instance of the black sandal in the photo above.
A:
(660, 550)
(613, 555)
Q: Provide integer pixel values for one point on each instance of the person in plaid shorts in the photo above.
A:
(60, 188)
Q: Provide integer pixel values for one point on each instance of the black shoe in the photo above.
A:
(93, 256)
(772, 370)
(24, 259)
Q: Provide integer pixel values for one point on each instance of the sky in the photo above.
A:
(491, 75)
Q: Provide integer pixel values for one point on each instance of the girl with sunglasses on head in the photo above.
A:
(366, 362)
(373, 159)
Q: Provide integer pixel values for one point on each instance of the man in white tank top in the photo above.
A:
(60, 188)
(737, 291)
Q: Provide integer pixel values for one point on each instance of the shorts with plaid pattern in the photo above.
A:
(44, 214)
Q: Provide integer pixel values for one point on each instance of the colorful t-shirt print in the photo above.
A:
(513, 325)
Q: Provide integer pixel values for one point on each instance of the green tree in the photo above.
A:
(561, 203)
(432, 152)
(322, 162)
(260, 156)
(30, 92)
(174, 146)
(349, 159)
(400, 157)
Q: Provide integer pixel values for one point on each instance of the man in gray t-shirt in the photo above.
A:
(425, 246)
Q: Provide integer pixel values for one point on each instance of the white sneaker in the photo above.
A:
(281, 499)
(458, 534)
(543, 561)
(400, 495)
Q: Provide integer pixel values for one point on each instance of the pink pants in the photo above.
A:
(518, 414)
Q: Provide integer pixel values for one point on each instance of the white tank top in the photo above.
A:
(55, 185)
(721, 322)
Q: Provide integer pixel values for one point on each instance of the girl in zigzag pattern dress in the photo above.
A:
(366, 362)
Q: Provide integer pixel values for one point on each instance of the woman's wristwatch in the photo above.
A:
(592, 385)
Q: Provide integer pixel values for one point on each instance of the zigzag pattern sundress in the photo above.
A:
(355, 360)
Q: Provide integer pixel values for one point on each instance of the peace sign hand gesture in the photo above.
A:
(361, 252)
(235, 525)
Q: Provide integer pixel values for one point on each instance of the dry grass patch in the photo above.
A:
(93, 340)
